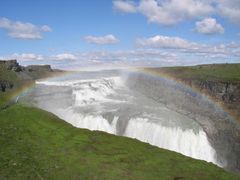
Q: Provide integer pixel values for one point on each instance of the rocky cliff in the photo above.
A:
(226, 93)
(5, 85)
(11, 73)
(39, 68)
(219, 81)
(11, 65)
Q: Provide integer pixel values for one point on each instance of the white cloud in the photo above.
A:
(41, 59)
(46, 28)
(26, 57)
(102, 40)
(158, 51)
(180, 45)
(23, 30)
(129, 58)
(163, 42)
(124, 6)
(229, 9)
(169, 12)
(65, 56)
(209, 26)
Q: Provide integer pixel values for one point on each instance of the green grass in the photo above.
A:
(37, 145)
(18, 83)
(215, 72)
(9, 76)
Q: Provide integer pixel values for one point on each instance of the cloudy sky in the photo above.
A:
(118, 33)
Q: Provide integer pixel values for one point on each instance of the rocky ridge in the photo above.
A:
(226, 93)
(219, 81)
(25, 74)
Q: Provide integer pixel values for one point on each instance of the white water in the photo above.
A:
(186, 142)
(91, 122)
(138, 117)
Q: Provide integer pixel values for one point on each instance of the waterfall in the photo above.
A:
(91, 98)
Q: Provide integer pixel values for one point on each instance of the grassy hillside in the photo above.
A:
(21, 77)
(214, 72)
(37, 145)
(9, 76)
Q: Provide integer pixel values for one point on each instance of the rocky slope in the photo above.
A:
(11, 73)
(221, 129)
(14, 77)
(227, 93)
(219, 81)
(11, 65)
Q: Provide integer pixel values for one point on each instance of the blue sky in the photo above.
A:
(71, 33)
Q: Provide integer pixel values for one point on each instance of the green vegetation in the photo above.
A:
(214, 72)
(37, 145)
(13, 77)
(9, 76)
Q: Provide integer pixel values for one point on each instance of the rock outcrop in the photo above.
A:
(37, 72)
(227, 93)
(42, 68)
(4, 85)
(219, 81)
(11, 68)
(223, 91)
(11, 65)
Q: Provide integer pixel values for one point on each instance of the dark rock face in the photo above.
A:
(24, 74)
(37, 71)
(11, 65)
(39, 68)
(4, 85)
(224, 92)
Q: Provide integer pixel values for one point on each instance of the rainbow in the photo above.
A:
(26, 87)
(21, 90)
(148, 71)
(156, 73)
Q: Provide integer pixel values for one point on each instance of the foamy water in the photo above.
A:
(107, 104)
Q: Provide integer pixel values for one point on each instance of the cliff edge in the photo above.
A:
(14, 77)
(219, 81)
(12, 74)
